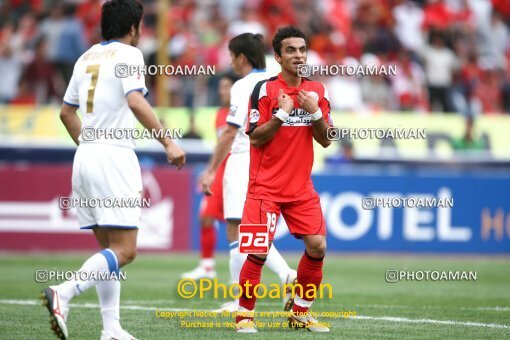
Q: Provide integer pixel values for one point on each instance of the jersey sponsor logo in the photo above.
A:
(254, 116)
(232, 111)
(253, 239)
(298, 117)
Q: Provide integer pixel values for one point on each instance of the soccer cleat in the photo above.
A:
(288, 299)
(230, 306)
(199, 272)
(58, 311)
(246, 326)
(122, 336)
(308, 322)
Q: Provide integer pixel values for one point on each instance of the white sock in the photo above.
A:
(208, 264)
(301, 302)
(277, 264)
(108, 293)
(104, 261)
(236, 263)
(246, 312)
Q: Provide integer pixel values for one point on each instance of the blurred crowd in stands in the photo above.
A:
(451, 55)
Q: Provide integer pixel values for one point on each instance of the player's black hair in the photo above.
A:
(252, 46)
(118, 16)
(284, 33)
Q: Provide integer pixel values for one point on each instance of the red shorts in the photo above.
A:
(212, 206)
(303, 217)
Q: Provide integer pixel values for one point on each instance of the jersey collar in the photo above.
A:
(103, 43)
(303, 80)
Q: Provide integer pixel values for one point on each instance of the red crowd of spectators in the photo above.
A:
(451, 55)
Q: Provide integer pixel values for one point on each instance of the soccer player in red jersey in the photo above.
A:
(211, 207)
(287, 113)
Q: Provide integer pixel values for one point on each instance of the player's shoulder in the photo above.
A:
(119, 51)
(127, 47)
(251, 79)
(242, 83)
(262, 87)
(87, 54)
(128, 50)
(113, 49)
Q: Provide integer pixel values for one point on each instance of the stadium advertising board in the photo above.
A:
(27, 124)
(32, 216)
(478, 221)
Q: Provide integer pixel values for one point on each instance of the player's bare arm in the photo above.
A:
(220, 153)
(264, 133)
(145, 115)
(72, 122)
(319, 126)
(320, 132)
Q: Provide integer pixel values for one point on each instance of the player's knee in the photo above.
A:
(206, 222)
(232, 226)
(131, 255)
(317, 249)
(126, 256)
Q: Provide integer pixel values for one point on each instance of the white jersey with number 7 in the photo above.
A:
(100, 83)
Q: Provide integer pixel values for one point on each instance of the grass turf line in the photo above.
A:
(358, 285)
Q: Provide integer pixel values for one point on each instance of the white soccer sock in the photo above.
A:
(108, 293)
(277, 264)
(104, 261)
(207, 263)
(301, 302)
(236, 262)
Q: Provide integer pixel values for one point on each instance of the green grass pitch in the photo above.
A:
(404, 310)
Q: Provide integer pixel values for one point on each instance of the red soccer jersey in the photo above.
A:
(280, 170)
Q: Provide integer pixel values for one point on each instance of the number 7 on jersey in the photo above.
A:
(94, 70)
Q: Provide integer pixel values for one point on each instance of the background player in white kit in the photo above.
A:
(108, 98)
(248, 61)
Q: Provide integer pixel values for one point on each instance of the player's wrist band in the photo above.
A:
(317, 115)
(282, 115)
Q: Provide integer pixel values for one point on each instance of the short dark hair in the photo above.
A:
(252, 46)
(118, 16)
(284, 33)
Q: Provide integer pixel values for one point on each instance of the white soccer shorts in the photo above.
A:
(102, 171)
(235, 185)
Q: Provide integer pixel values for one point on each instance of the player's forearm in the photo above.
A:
(223, 147)
(320, 132)
(71, 121)
(146, 116)
(264, 133)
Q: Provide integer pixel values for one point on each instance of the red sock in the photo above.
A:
(309, 271)
(251, 272)
(207, 241)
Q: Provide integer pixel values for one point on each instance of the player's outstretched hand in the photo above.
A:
(206, 179)
(285, 102)
(175, 155)
(308, 101)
